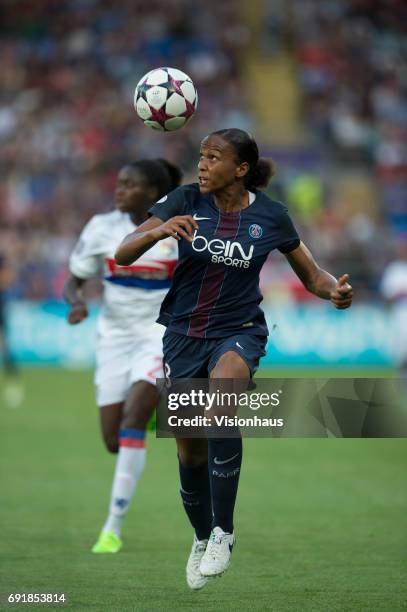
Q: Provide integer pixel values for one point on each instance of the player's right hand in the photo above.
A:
(342, 294)
(78, 313)
(182, 226)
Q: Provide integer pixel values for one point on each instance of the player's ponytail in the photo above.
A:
(260, 170)
(261, 174)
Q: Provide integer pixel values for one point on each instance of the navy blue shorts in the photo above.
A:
(186, 357)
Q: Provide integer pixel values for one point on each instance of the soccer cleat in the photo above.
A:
(108, 542)
(216, 559)
(195, 580)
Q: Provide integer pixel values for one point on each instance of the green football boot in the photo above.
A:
(108, 542)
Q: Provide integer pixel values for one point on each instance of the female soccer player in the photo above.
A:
(13, 392)
(129, 342)
(225, 228)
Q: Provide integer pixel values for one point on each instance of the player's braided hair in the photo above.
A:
(159, 173)
(261, 170)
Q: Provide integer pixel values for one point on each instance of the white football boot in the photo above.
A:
(195, 580)
(216, 559)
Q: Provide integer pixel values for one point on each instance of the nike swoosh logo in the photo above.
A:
(216, 460)
(187, 492)
(241, 347)
(200, 218)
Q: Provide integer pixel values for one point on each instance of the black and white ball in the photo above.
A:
(165, 99)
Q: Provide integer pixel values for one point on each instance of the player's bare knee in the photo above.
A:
(230, 365)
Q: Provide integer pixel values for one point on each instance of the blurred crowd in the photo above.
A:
(67, 123)
(350, 60)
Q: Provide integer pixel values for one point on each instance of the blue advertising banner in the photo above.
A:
(39, 333)
(318, 334)
(299, 335)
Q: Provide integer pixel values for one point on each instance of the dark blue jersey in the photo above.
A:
(215, 289)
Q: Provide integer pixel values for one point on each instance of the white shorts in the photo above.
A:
(120, 362)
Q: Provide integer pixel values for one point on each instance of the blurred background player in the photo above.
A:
(129, 342)
(394, 291)
(13, 392)
(226, 227)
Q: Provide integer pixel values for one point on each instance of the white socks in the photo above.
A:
(129, 467)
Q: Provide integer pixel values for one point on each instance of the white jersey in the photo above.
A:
(132, 294)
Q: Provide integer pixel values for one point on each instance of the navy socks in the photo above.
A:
(209, 491)
(224, 461)
(196, 496)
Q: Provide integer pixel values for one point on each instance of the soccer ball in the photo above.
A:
(165, 99)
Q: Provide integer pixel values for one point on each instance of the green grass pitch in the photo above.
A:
(321, 523)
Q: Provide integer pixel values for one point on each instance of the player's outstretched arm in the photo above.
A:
(318, 281)
(72, 293)
(150, 232)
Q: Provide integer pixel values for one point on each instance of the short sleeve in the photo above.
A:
(171, 205)
(289, 239)
(86, 260)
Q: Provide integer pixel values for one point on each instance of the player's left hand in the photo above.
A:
(342, 294)
(78, 313)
